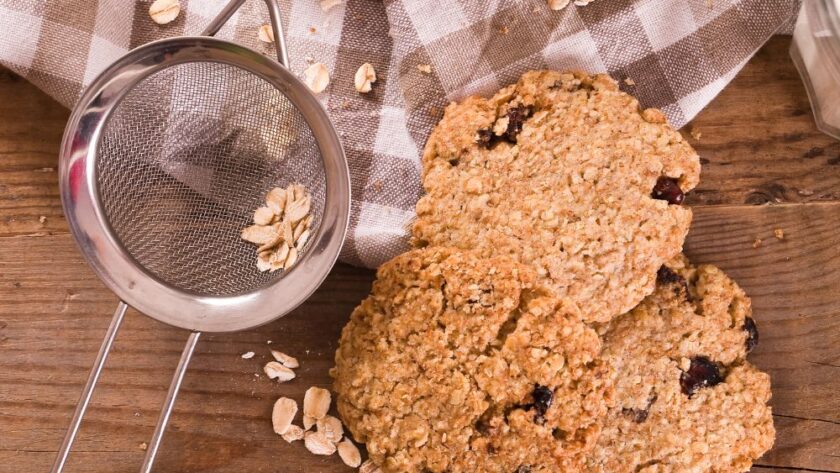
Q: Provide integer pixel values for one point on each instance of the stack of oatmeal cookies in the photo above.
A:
(547, 321)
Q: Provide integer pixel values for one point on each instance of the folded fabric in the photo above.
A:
(672, 54)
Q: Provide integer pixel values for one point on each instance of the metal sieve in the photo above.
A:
(164, 159)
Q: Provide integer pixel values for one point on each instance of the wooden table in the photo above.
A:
(766, 167)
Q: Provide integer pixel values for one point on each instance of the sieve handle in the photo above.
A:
(169, 403)
(276, 25)
(87, 392)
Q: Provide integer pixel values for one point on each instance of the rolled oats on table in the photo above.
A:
(282, 414)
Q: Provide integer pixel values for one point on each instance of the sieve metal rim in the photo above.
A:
(105, 253)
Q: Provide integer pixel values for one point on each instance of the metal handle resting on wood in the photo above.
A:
(87, 392)
(93, 378)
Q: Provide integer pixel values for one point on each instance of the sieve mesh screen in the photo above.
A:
(184, 160)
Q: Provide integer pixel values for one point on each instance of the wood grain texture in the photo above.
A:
(54, 312)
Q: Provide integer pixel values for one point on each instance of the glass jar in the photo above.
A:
(816, 53)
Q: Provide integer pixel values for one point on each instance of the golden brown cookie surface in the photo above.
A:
(562, 172)
(686, 399)
(461, 364)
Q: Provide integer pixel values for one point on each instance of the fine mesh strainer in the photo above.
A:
(164, 160)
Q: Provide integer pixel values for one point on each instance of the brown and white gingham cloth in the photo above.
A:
(678, 53)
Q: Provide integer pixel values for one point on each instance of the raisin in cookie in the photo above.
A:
(460, 364)
(686, 399)
(564, 172)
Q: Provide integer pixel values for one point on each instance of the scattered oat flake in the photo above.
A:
(42, 219)
(164, 11)
(424, 68)
(266, 34)
(275, 370)
(629, 81)
(284, 359)
(143, 446)
(293, 433)
(331, 428)
(779, 233)
(317, 77)
(282, 414)
(318, 443)
(756, 243)
(308, 422)
(248, 355)
(349, 453)
(327, 5)
(316, 402)
(365, 76)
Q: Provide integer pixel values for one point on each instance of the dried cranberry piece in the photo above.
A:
(516, 118)
(666, 275)
(701, 374)
(638, 415)
(668, 189)
(752, 333)
(543, 397)
(486, 138)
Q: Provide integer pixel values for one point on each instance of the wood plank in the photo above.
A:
(31, 125)
(758, 139)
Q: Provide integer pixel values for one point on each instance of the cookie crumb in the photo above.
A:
(369, 467)
(779, 234)
(695, 133)
(756, 243)
(504, 30)
(247, 355)
(144, 446)
(424, 68)
(629, 81)
(42, 219)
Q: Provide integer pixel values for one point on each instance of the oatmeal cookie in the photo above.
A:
(460, 364)
(686, 399)
(564, 172)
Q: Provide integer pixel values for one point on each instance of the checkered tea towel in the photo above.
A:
(678, 54)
